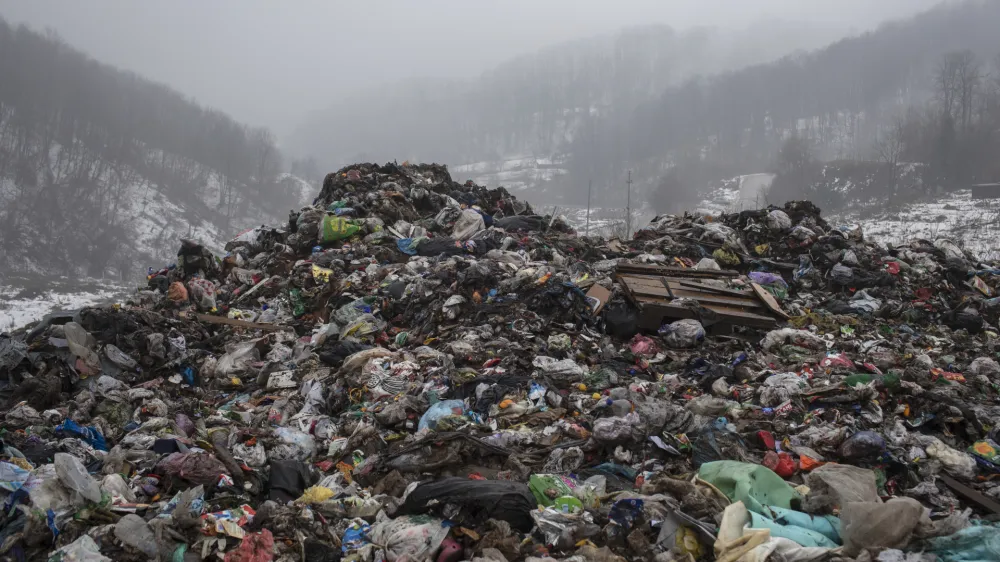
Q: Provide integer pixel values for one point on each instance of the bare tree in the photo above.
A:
(889, 148)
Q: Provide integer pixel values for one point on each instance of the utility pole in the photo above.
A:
(628, 208)
(590, 186)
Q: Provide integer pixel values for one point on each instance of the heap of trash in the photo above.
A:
(417, 369)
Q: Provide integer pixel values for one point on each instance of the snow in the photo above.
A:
(516, 172)
(20, 307)
(973, 224)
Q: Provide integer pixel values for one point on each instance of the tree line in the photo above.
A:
(840, 99)
(954, 138)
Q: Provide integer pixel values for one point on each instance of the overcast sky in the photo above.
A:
(269, 62)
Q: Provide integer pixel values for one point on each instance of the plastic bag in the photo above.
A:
(707, 264)
(468, 224)
(115, 486)
(440, 411)
(956, 463)
(562, 371)
(296, 445)
(90, 434)
(617, 430)
(203, 293)
(642, 345)
(874, 525)
(133, 531)
(801, 338)
(12, 477)
(255, 547)
(478, 500)
(978, 543)
(409, 537)
(45, 490)
(119, 357)
(83, 549)
(547, 487)
(364, 325)
(833, 485)
(177, 292)
(591, 490)
(337, 228)
(237, 359)
(778, 220)
(199, 468)
(862, 445)
(559, 342)
(81, 345)
(74, 477)
(563, 530)
(713, 442)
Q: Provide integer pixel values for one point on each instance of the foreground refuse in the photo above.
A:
(417, 369)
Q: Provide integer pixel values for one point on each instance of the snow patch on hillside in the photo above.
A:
(973, 224)
(517, 173)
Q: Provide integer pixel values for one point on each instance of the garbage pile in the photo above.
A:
(418, 369)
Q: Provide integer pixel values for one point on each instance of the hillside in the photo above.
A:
(839, 98)
(531, 108)
(101, 170)
(648, 99)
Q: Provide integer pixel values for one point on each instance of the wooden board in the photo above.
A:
(239, 323)
(769, 300)
(654, 296)
(671, 271)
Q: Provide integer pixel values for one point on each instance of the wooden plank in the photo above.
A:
(239, 323)
(704, 287)
(983, 501)
(769, 300)
(719, 299)
(671, 271)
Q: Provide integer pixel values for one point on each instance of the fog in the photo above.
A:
(271, 63)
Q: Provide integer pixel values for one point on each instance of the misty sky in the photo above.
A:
(269, 63)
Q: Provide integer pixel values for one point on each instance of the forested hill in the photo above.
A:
(651, 99)
(838, 97)
(533, 104)
(101, 170)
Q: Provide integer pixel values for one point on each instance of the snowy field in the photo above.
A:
(20, 306)
(973, 224)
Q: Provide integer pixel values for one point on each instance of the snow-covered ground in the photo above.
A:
(517, 173)
(20, 306)
(971, 223)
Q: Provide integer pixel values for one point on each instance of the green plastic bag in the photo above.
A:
(755, 485)
(337, 228)
(539, 484)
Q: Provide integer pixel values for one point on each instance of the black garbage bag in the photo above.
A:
(288, 480)
(479, 500)
(521, 222)
(967, 319)
(334, 353)
(621, 320)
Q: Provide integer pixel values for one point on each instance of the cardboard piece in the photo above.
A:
(597, 297)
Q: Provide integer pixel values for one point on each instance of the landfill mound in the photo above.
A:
(418, 369)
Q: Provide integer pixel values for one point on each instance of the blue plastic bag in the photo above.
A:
(978, 543)
(90, 434)
(440, 410)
